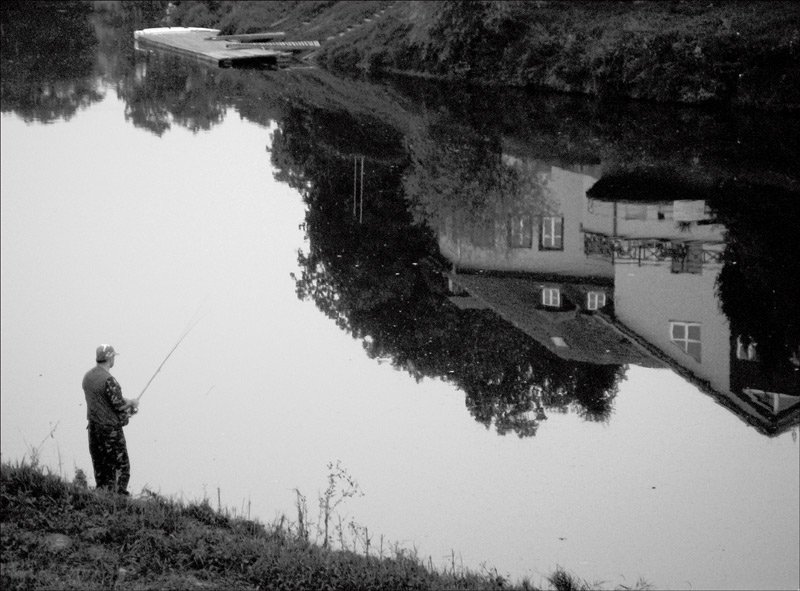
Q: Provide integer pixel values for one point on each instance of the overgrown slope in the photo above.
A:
(744, 53)
(60, 535)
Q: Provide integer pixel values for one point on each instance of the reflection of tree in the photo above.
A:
(510, 380)
(458, 172)
(114, 25)
(758, 282)
(51, 67)
(454, 167)
(47, 59)
(374, 279)
(352, 268)
(699, 143)
(169, 89)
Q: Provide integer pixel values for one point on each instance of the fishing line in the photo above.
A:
(192, 323)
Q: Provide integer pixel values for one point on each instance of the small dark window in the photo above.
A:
(746, 352)
(520, 231)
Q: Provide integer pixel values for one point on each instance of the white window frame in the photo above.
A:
(595, 300)
(685, 342)
(551, 297)
(552, 236)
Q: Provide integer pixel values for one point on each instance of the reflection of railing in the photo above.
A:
(685, 256)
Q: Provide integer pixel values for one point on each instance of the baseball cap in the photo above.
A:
(105, 352)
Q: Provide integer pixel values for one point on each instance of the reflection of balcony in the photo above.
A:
(685, 256)
(613, 282)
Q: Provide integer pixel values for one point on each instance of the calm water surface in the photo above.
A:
(158, 196)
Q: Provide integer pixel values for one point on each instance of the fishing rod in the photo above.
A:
(192, 323)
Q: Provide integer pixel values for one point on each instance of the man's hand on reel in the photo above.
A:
(133, 406)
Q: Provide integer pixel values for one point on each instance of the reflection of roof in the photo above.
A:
(599, 339)
(772, 413)
(747, 408)
(588, 338)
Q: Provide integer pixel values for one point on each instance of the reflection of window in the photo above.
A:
(635, 211)
(595, 300)
(665, 212)
(520, 231)
(746, 352)
(551, 296)
(687, 336)
(552, 235)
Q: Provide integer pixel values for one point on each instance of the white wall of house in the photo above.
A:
(564, 196)
(649, 297)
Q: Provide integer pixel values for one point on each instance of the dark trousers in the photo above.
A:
(112, 469)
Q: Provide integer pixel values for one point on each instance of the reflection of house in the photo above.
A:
(680, 232)
(666, 257)
(665, 272)
(556, 314)
(679, 314)
(541, 230)
(649, 268)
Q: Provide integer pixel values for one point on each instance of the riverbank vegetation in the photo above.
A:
(742, 53)
(61, 535)
(57, 534)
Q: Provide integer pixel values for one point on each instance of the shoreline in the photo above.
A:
(59, 534)
(744, 54)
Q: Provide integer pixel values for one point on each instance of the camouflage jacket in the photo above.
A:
(104, 401)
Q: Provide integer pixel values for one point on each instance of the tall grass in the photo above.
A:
(58, 534)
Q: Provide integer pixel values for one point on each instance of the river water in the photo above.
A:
(521, 364)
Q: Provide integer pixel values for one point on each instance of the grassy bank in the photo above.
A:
(742, 53)
(60, 535)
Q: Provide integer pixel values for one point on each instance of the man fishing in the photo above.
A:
(108, 412)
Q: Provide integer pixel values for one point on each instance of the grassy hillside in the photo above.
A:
(744, 53)
(60, 535)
